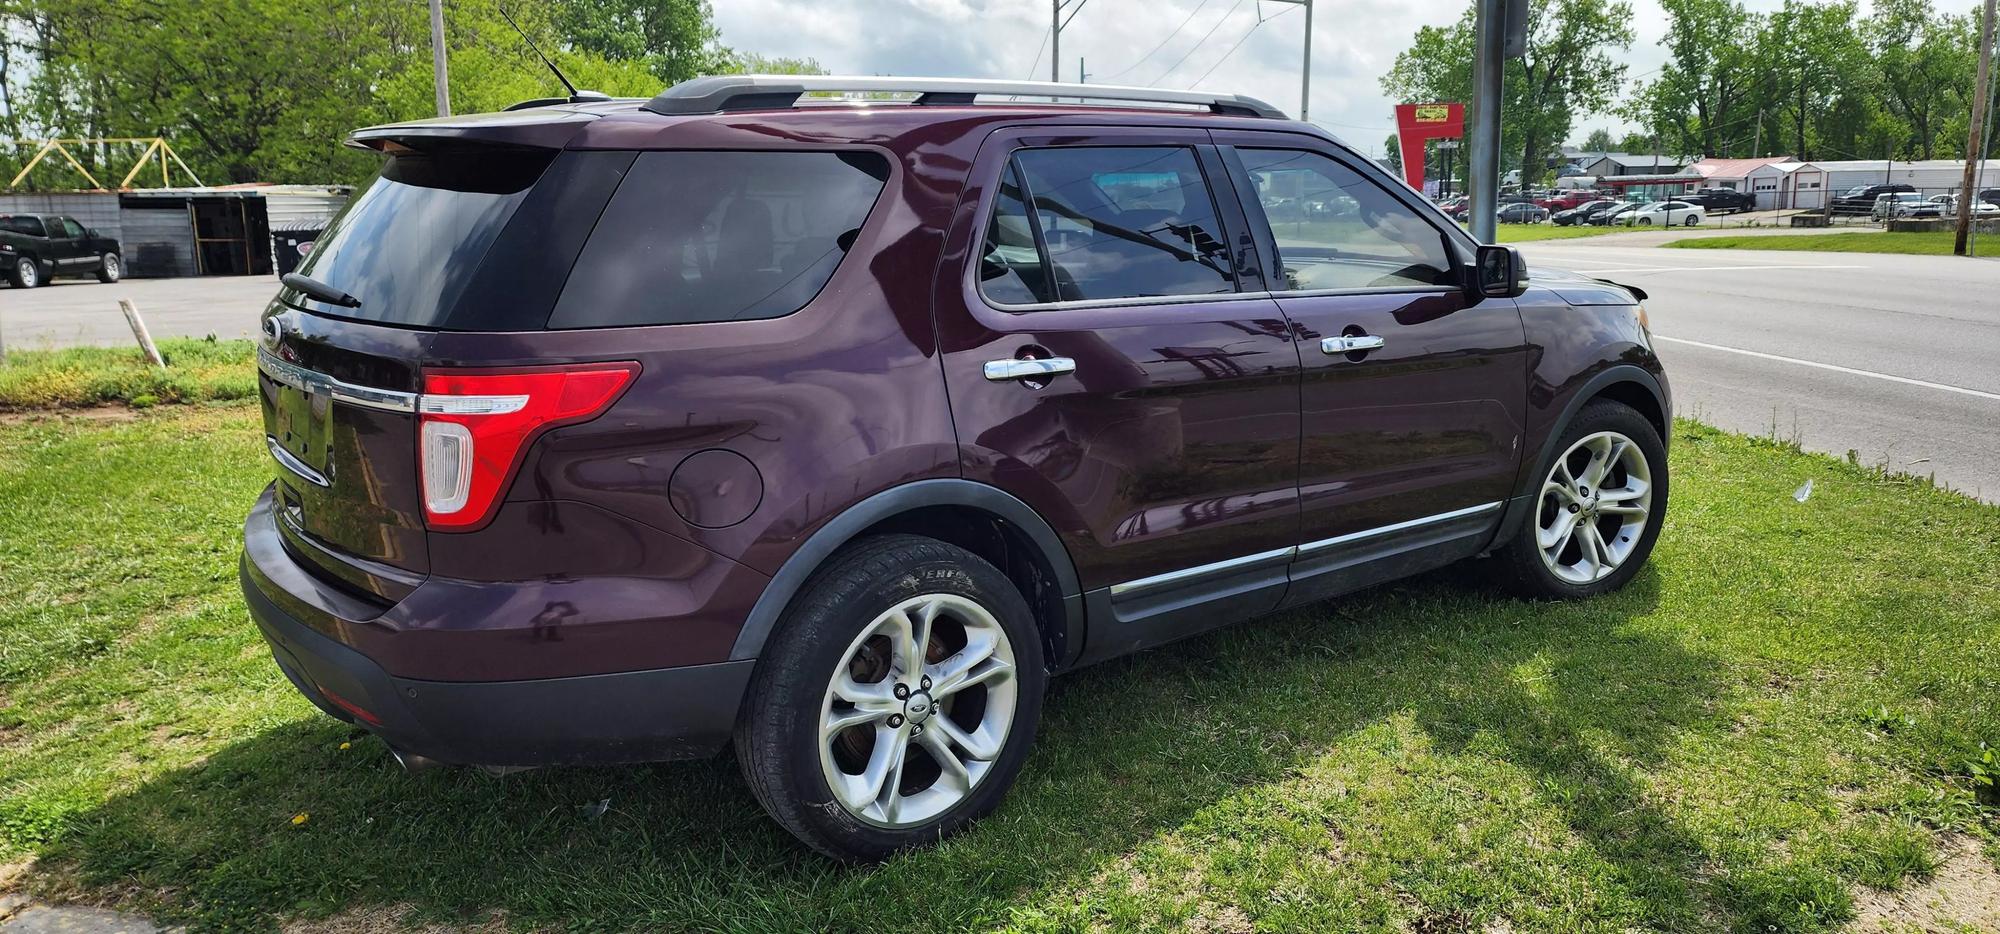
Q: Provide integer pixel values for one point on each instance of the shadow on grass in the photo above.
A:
(1129, 750)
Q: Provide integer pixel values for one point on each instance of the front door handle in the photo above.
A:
(1349, 343)
(1001, 371)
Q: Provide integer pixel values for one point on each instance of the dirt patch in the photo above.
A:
(1964, 894)
(96, 413)
(392, 919)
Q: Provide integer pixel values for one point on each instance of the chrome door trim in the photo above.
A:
(298, 377)
(1198, 572)
(1324, 543)
(1001, 371)
(290, 462)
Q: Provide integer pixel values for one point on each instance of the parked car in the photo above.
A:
(1581, 214)
(1861, 199)
(1664, 214)
(1614, 214)
(1722, 200)
(35, 248)
(749, 419)
(1946, 206)
(1990, 195)
(1521, 212)
(1566, 200)
(1895, 204)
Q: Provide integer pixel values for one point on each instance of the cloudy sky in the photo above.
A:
(1354, 43)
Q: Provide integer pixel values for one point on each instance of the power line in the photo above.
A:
(1038, 54)
(1197, 44)
(1239, 44)
(1163, 42)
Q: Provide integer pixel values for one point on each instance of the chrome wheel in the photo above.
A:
(918, 710)
(1594, 507)
(27, 273)
(111, 269)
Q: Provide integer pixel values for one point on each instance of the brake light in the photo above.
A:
(474, 426)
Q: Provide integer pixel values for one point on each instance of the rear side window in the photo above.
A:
(1114, 222)
(408, 245)
(15, 223)
(1335, 229)
(719, 236)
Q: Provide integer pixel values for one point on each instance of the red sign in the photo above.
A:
(1417, 123)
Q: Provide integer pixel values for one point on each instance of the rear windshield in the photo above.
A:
(693, 236)
(409, 244)
(32, 226)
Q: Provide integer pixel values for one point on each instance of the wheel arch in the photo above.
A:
(1625, 383)
(983, 519)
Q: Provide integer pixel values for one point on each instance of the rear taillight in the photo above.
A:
(474, 425)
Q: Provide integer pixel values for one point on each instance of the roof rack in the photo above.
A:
(729, 93)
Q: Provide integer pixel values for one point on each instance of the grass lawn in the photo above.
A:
(1524, 233)
(197, 370)
(1932, 243)
(1773, 728)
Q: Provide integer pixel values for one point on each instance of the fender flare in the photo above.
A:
(1523, 501)
(854, 520)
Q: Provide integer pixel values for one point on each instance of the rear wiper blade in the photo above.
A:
(319, 290)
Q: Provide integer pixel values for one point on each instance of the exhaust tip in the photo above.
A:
(413, 763)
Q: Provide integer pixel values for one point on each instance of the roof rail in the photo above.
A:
(728, 93)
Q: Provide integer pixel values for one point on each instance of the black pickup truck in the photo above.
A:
(35, 248)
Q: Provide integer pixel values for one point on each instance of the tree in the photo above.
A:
(1568, 69)
(1697, 104)
(1921, 60)
(1599, 140)
(1393, 147)
(1813, 74)
(674, 39)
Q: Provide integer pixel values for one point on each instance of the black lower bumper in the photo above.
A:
(634, 716)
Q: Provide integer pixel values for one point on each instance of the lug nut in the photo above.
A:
(927, 682)
(902, 692)
(895, 720)
(1574, 507)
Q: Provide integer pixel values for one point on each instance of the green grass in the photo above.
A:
(1524, 233)
(197, 371)
(1932, 243)
(1780, 713)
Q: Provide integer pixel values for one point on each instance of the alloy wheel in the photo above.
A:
(111, 269)
(27, 273)
(1594, 507)
(918, 710)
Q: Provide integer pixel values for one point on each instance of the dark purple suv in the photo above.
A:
(616, 431)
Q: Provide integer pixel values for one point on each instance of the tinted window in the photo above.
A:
(71, 228)
(1337, 230)
(1010, 267)
(1125, 222)
(719, 236)
(407, 246)
(16, 223)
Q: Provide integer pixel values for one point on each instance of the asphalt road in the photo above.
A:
(1896, 358)
(85, 311)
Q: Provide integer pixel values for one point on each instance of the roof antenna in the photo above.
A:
(574, 94)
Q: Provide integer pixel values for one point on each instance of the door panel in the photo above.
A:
(1411, 393)
(1172, 444)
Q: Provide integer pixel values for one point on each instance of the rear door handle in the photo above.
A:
(1001, 371)
(1346, 343)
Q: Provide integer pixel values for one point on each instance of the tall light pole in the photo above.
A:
(1055, 40)
(1306, 63)
(1482, 157)
(437, 59)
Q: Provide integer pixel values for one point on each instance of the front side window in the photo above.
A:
(1114, 222)
(1335, 229)
(696, 236)
(72, 229)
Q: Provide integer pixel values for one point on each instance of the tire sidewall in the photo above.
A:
(1601, 415)
(812, 642)
(110, 268)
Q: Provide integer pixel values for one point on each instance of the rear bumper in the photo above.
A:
(632, 716)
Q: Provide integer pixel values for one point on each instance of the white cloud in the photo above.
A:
(1353, 45)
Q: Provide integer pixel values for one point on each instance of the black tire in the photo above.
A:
(777, 732)
(1518, 567)
(25, 273)
(110, 268)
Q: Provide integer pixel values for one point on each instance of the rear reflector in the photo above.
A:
(477, 424)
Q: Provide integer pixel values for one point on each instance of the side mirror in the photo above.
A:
(1499, 272)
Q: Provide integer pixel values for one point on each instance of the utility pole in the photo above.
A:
(1975, 139)
(437, 59)
(1082, 77)
(1306, 66)
(1055, 40)
(1482, 159)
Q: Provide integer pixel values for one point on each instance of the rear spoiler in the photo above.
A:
(540, 129)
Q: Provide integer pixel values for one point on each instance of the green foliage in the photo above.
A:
(1599, 140)
(1569, 69)
(197, 371)
(265, 90)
